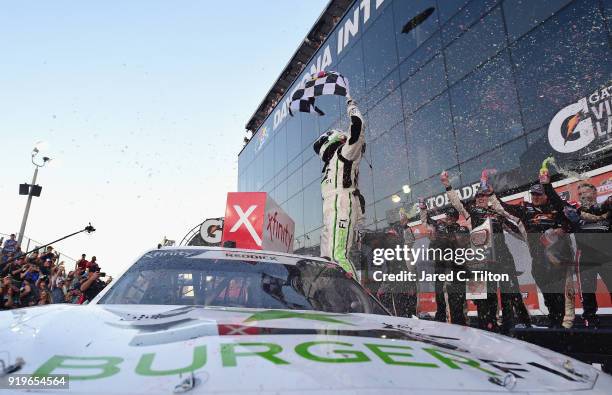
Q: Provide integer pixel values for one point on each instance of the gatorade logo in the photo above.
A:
(579, 124)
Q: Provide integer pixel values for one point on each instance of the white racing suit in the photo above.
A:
(343, 205)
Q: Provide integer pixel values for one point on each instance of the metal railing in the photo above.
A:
(29, 244)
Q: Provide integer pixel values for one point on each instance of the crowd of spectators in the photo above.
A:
(40, 278)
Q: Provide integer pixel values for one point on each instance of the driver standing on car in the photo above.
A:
(343, 204)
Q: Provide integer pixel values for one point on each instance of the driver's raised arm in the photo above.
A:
(352, 150)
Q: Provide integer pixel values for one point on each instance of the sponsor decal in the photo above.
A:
(250, 256)
(237, 330)
(278, 231)
(167, 253)
(441, 200)
(211, 231)
(584, 124)
(604, 189)
(243, 219)
(267, 315)
(241, 354)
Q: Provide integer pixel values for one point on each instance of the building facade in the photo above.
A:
(446, 85)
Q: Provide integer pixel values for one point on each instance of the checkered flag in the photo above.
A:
(321, 83)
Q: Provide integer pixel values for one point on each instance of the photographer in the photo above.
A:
(92, 286)
(9, 294)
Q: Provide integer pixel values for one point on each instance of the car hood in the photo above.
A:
(165, 349)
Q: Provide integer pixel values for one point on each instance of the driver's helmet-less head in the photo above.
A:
(331, 138)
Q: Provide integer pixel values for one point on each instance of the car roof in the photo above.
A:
(239, 250)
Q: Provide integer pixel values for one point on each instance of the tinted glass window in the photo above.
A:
(384, 205)
(280, 149)
(312, 169)
(421, 56)
(313, 239)
(552, 73)
(258, 164)
(431, 143)
(330, 105)
(268, 158)
(523, 15)
(294, 183)
(382, 90)
(432, 186)
(415, 22)
(313, 207)
(280, 176)
(476, 46)
(384, 115)
(424, 84)
(366, 186)
(465, 18)
(248, 178)
(294, 165)
(448, 8)
(538, 148)
(193, 279)
(389, 162)
(310, 129)
(369, 215)
(281, 192)
(295, 209)
(268, 186)
(379, 49)
(485, 108)
(506, 160)
(351, 67)
(294, 137)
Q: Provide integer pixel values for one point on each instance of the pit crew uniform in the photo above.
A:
(343, 204)
(511, 299)
(442, 236)
(549, 274)
(593, 239)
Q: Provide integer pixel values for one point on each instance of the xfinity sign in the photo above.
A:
(254, 221)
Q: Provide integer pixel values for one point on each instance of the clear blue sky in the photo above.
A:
(143, 104)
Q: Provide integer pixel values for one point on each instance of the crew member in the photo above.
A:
(547, 228)
(593, 239)
(343, 205)
(442, 233)
(399, 297)
(513, 307)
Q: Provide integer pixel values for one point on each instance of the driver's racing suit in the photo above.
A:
(343, 205)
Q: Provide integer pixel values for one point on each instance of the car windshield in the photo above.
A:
(223, 278)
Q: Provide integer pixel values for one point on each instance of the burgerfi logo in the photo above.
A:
(581, 123)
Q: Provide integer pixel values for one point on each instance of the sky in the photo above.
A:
(142, 107)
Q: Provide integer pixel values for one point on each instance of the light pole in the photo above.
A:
(32, 190)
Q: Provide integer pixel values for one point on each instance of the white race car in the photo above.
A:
(217, 320)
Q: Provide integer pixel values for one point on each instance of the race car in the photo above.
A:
(221, 320)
